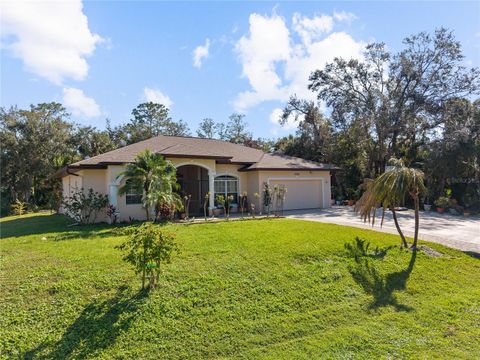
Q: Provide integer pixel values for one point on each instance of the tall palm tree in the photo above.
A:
(388, 191)
(151, 173)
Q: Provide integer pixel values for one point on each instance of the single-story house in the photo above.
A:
(205, 165)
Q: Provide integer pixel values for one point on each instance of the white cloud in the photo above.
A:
(79, 103)
(200, 53)
(267, 43)
(51, 38)
(277, 66)
(291, 123)
(311, 29)
(156, 96)
(344, 16)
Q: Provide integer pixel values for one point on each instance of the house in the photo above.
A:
(205, 165)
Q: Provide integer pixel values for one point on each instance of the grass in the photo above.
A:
(255, 289)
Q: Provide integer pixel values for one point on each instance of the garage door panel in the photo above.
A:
(301, 194)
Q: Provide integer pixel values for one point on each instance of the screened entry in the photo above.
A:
(193, 181)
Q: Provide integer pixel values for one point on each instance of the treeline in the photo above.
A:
(416, 105)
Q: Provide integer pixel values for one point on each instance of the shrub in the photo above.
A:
(112, 213)
(443, 202)
(84, 208)
(164, 211)
(186, 205)
(147, 248)
(18, 207)
(279, 192)
(220, 199)
(243, 202)
(228, 205)
(205, 204)
(267, 197)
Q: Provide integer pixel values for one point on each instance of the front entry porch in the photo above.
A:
(196, 181)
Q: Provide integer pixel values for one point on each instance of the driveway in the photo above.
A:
(462, 233)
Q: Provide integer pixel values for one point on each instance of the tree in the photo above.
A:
(176, 128)
(453, 159)
(90, 141)
(388, 191)
(35, 143)
(314, 132)
(147, 248)
(150, 119)
(236, 129)
(206, 129)
(163, 193)
(151, 173)
(395, 99)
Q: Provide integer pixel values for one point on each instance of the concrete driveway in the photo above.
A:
(458, 232)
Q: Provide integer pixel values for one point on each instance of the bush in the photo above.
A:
(164, 211)
(84, 208)
(148, 247)
(18, 207)
(443, 202)
(112, 213)
(267, 197)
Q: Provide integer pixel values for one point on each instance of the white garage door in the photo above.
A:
(301, 194)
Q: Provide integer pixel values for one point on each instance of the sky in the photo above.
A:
(100, 59)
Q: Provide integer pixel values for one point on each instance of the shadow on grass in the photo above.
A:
(96, 329)
(381, 287)
(31, 225)
(59, 225)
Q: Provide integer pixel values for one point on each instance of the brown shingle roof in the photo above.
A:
(222, 151)
(284, 162)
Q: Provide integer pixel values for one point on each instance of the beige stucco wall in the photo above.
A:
(85, 179)
(126, 211)
(254, 187)
(70, 184)
(95, 179)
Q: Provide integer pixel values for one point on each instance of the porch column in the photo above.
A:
(211, 185)
(113, 195)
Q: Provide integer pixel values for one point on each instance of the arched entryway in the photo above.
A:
(194, 181)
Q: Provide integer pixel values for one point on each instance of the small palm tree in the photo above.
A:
(154, 175)
(388, 191)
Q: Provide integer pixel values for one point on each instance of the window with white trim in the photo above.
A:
(133, 195)
(226, 185)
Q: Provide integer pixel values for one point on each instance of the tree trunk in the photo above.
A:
(395, 220)
(417, 220)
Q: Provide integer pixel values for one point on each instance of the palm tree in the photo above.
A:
(388, 191)
(163, 191)
(151, 173)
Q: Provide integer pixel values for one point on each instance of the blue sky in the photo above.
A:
(101, 59)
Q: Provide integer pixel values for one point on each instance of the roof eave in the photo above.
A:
(289, 169)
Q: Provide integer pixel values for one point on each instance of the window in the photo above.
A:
(226, 185)
(133, 195)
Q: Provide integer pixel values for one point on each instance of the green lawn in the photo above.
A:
(249, 289)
